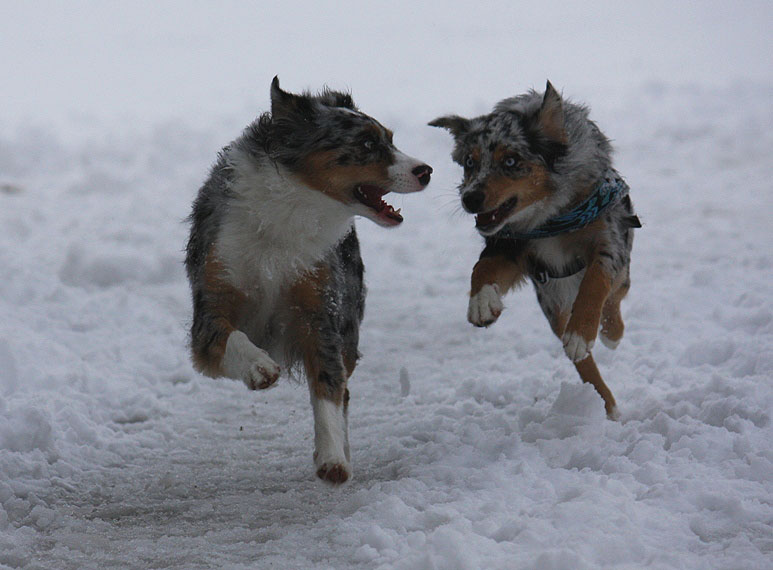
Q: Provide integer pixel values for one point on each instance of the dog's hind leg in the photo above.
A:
(589, 373)
(612, 326)
(586, 368)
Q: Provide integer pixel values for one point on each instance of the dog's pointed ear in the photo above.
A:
(284, 103)
(457, 125)
(551, 115)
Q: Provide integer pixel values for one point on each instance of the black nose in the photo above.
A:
(422, 173)
(473, 201)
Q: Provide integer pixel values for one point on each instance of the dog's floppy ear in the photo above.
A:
(457, 125)
(284, 103)
(551, 115)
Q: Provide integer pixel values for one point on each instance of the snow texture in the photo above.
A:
(471, 447)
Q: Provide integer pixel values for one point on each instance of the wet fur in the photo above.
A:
(534, 157)
(273, 257)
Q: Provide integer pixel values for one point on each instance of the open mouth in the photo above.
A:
(490, 220)
(372, 197)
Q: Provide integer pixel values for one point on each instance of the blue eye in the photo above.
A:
(510, 162)
(369, 145)
(469, 162)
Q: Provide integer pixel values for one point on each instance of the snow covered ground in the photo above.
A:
(471, 448)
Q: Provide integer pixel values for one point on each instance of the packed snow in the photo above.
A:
(472, 448)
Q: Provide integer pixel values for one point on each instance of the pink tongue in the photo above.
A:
(371, 196)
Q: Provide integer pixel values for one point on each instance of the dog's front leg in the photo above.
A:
(492, 277)
(328, 367)
(219, 348)
(583, 325)
(329, 402)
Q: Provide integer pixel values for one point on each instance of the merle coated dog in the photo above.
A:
(538, 176)
(273, 258)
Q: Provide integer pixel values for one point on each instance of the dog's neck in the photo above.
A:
(608, 191)
(277, 226)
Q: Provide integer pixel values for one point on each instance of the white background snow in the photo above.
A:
(471, 448)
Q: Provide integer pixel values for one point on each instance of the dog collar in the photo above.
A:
(541, 273)
(610, 190)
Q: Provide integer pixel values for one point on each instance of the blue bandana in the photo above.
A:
(610, 190)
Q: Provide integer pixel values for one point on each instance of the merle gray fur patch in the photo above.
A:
(329, 120)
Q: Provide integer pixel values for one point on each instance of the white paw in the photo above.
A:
(330, 441)
(614, 414)
(485, 306)
(610, 344)
(576, 347)
(262, 374)
(246, 362)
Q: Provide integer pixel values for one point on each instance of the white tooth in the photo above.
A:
(398, 210)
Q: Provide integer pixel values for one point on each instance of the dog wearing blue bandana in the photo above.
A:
(538, 176)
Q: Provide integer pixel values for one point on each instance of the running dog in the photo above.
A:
(273, 258)
(538, 176)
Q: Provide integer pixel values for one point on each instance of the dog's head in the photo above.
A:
(334, 148)
(514, 160)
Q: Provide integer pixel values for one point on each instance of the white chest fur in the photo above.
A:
(562, 292)
(275, 228)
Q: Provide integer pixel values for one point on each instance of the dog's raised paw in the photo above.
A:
(262, 375)
(485, 306)
(575, 346)
(245, 361)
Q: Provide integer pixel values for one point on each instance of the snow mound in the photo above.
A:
(83, 268)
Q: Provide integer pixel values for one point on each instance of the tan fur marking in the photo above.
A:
(500, 153)
(558, 323)
(496, 270)
(224, 303)
(533, 187)
(612, 325)
(374, 129)
(306, 301)
(306, 292)
(589, 373)
(551, 118)
(321, 172)
(350, 363)
(552, 124)
(586, 311)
